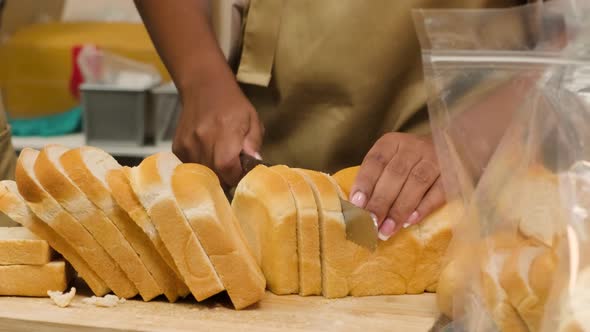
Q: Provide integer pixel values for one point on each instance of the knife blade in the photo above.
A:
(361, 228)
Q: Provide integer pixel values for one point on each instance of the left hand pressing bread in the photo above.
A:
(399, 182)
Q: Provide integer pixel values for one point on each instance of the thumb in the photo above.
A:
(253, 140)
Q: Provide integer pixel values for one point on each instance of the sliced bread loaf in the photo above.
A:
(50, 211)
(199, 195)
(87, 168)
(34, 280)
(14, 206)
(123, 194)
(53, 177)
(19, 246)
(266, 210)
(308, 232)
(151, 183)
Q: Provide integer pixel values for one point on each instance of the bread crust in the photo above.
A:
(49, 210)
(207, 210)
(74, 201)
(13, 205)
(266, 210)
(96, 190)
(123, 194)
(308, 232)
(155, 194)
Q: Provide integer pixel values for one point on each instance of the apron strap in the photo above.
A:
(260, 42)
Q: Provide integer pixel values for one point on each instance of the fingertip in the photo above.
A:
(359, 199)
(387, 229)
(413, 219)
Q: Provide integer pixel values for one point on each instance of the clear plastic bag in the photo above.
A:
(501, 84)
(104, 68)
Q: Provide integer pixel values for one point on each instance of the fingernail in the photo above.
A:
(375, 220)
(413, 218)
(359, 199)
(406, 225)
(257, 156)
(386, 229)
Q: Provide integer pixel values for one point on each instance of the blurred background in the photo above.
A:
(79, 72)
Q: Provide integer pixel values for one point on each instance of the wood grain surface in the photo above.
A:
(405, 313)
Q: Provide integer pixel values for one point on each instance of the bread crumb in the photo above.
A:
(108, 301)
(60, 299)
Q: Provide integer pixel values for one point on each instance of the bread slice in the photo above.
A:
(151, 182)
(452, 284)
(50, 211)
(87, 168)
(496, 300)
(308, 233)
(532, 201)
(435, 232)
(348, 269)
(54, 179)
(575, 304)
(345, 179)
(266, 210)
(337, 262)
(19, 246)
(118, 182)
(13, 205)
(199, 195)
(527, 277)
(34, 280)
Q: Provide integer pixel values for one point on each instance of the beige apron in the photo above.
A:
(7, 161)
(329, 77)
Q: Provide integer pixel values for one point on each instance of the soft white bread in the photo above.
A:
(19, 246)
(435, 232)
(348, 269)
(14, 206)
(123, 194)
(415, 253)
(308, 232)
(34, 280)
(575, 305)
(496, 300)
(46, 208)
(54, 179)
(526, 278)
(151, 183)
(336, 253)
(266, 210)
(199, 194)
(451, 283)
(532, 201)
(87, 168)
(345, 178)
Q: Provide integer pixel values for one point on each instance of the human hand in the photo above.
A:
(399, 182)
(214, 127)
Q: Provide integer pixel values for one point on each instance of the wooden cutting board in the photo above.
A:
(405, 313)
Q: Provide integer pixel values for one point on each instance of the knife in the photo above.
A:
(360, 226)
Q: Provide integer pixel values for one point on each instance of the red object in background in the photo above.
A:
(76, 79)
